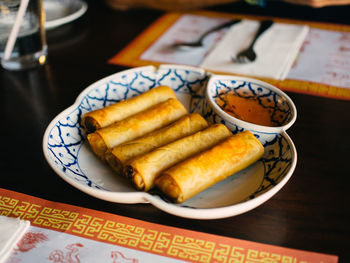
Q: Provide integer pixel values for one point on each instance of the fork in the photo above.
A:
(199, 42)
(248, 54)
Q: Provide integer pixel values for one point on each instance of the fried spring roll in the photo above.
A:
(97, 119)
(143, 170)
(198, 173)
(188, 124)
(135, 126)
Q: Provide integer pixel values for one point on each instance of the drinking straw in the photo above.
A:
(14, 31)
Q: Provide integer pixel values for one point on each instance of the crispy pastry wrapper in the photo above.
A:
(186, 125)
(199, 172)
(101, 118)
(143, 170)
(135, 126)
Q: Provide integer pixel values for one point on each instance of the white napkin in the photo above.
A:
(11, 231)
(276, 49)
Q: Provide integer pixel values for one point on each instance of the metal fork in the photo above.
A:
(199, 42)
(249, 55)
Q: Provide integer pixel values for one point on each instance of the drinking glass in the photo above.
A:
(30, 48)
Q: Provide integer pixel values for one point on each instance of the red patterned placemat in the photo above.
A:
(147, 237)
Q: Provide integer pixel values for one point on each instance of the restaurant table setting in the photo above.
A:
(287, 53)
(233, 187)
(276, 50)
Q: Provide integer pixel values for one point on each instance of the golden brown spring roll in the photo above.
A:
(143, 170)
(199, 172)
(135, 126)
(100, 118)
(188, 124)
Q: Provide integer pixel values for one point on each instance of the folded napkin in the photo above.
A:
(276, 49)
(11, 231)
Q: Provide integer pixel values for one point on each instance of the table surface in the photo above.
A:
(310, 213)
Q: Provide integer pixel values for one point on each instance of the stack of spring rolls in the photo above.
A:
(152, 140)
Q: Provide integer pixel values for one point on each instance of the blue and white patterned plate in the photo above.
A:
(281, 108)
(67, 152)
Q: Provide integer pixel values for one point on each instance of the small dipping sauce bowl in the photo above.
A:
(249, 104)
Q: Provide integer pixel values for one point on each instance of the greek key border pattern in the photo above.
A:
(118, 231)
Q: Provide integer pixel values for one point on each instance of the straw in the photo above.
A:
(15, 29)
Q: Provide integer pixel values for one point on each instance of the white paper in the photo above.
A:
(324, 58)
(11, 231)
(276, 50)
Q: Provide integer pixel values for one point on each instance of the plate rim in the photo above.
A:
(51, 24)
(138, 197)
(252, 126)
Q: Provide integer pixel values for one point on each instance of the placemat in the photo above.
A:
(324, 56)
(61, 232)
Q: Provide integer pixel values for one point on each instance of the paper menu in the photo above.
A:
(324, 58)
(64, 233)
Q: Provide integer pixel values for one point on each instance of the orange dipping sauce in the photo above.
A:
(246, 109)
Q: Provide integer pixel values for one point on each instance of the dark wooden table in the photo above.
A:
(311, 212)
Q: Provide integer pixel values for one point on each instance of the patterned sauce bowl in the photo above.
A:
(249, 104)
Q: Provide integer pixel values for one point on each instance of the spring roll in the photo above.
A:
(119, 155)
(100, 118)
(143, 170)
(199, 172)
(135, 126)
